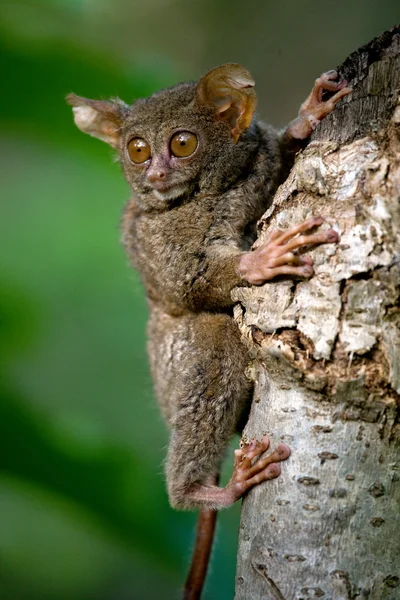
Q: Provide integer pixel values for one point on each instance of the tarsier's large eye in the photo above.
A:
(138, 150)
(183, 144)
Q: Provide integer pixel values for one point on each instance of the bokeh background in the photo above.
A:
(83, 509)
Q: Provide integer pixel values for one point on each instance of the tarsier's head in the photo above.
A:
(185, 136)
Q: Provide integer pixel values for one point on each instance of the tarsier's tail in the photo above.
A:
(201, 554)
(202, 548)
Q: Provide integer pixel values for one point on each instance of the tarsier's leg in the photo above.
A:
(314, 109)
(212, 391)
(277, 255)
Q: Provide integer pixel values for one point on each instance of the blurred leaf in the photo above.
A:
(17, 324)
(105, 480)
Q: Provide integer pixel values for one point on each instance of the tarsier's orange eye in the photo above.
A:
(138, 150)
(183, 144)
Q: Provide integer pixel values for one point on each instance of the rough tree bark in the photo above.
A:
(327, 361)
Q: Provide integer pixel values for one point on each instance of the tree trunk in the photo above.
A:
(327, 361)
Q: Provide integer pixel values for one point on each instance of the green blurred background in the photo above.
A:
(83, 509)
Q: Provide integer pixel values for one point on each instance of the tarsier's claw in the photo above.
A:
(283, 451)
(332, 236)
(307, 271)
(329, 81)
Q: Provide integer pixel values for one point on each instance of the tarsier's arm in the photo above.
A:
(203, 278)
(294, 137)
(222, 271)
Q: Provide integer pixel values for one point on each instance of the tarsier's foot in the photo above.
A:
(314, 109)
(250, 469)
(276, 256)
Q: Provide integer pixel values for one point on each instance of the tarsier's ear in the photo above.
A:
(229, 90)
(99, 118)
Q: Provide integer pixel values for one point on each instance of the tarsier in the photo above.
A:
(203, 170)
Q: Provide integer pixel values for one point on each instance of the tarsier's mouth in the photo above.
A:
(170, 192)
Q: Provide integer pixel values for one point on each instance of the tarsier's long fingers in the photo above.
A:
(302, 271)
(332, 74)
(289, 258)
(280, 453)
(251, 451)
(323, 83)
(324, 108)
(274, 234)
(292, 231)
(290, 239)
(326, 237)
(335, 99)
(315, 108)
(327, 85)
(250, 470)
(275, 257)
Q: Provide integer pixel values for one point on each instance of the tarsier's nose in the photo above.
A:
(157, 174)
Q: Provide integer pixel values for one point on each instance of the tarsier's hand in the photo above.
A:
(314, 109)
(276, 256)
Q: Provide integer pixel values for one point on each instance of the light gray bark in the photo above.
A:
(327, 362)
